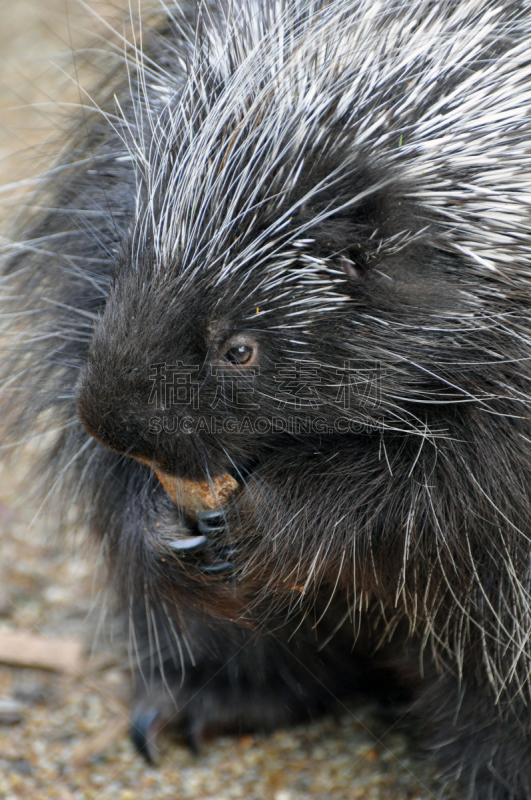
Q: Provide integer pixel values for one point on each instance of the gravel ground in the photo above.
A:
(62, 734)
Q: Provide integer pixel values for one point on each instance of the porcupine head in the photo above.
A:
(292, 314)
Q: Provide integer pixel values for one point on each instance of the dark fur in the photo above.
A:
(405, 539)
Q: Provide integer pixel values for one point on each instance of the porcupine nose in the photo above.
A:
(110, 410)
(113, 389)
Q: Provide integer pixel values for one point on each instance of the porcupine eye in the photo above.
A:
(240, 355)
(240, 351)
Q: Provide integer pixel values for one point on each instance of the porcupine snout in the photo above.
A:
(121, 389)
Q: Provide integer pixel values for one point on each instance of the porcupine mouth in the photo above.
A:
(195, 496)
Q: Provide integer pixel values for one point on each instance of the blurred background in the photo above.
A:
(64, 684)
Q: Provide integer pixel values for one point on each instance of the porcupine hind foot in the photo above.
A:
(233, 680)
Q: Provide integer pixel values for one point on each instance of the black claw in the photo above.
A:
(218, 567)
(216, 516)
(144, 728)
(210, 521)
(189, 545)
(195, 737)
(207, 529)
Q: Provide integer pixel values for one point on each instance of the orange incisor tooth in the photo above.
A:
(195, 496)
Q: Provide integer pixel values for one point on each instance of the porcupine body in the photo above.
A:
(296, 252)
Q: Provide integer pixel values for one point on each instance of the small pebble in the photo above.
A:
(23, 766)
(32, 692)
(11, 711)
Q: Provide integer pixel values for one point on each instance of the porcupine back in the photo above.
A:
(350, 180)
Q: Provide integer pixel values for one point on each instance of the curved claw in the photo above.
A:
(144, 728)
(215, 516)
(218, 567)
(190, 544)
(210, 521)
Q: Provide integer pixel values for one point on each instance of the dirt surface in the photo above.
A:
(63, 734)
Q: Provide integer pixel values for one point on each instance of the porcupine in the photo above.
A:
(295, 254)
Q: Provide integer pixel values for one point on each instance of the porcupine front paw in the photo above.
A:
(210, 548)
